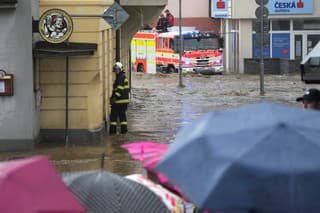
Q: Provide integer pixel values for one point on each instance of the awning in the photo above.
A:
(44, 49)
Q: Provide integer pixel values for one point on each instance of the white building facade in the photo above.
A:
(294, 29)
(195, 14)
(19, 114)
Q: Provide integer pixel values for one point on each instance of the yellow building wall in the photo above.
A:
(90, 77)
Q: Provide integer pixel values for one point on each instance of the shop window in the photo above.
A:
(306, 25)
(314, 61)
(256, 24)
(281, 25)
(312, 41)
(8, 3)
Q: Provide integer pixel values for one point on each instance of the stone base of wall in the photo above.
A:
(16, 145)
(78, 136)
(55, 136)
(271, 66)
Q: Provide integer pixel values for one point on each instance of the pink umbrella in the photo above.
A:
(32, 185)
(149, 154)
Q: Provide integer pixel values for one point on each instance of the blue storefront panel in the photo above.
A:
(280, 45)
(256, 49)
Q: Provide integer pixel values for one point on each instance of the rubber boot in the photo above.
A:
(112, 129)
(124, 129)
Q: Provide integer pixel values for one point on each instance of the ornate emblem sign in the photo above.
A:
(55, 26)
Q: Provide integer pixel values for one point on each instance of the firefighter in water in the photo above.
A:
(119, 100)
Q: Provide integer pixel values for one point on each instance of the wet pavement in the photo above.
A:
(159, 108)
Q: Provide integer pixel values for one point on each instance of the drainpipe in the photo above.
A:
(117, 40)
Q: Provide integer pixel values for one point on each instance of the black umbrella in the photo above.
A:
(105, 192)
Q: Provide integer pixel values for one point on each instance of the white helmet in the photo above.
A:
(118, 65)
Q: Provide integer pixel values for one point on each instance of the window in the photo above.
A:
(314, 61)
(160, 43)
(306, 24)
(8, 3)
(166, 43)
(281, 25)
(256, 25)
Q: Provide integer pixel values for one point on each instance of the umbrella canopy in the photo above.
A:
(149, 153)
(102, 191)
(173, 202)
(263, 156)
(32, 185)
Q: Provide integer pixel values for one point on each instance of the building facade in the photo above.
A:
(91, 78)
(37, 109)
(19, 113)
(294, 30)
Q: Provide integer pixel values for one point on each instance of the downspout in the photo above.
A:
(118, 40)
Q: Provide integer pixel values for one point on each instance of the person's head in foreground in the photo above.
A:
(311, 99)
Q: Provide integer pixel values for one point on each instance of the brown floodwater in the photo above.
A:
(159, 108)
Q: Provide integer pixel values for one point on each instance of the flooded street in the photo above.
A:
(159, 108)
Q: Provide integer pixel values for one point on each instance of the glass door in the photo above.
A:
(304, 42)
(298, 47)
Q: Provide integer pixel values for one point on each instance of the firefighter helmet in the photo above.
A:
(118, 65)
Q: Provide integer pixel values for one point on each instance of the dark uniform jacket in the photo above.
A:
(120, 93)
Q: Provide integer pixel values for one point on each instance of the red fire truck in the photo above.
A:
(152, 52)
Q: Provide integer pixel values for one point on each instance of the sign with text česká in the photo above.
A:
(276, 7)
(220, 8)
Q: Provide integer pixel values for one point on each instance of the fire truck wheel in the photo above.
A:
(171, 69)
(140, 68)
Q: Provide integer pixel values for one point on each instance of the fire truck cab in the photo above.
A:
(152, 51)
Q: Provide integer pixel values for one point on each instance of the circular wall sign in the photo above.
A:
(55, 26)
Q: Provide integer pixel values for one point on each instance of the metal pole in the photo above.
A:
(102, 160)
(181, 46)
(118, 35)
(67, 104)
(91, 16)
(262, 51)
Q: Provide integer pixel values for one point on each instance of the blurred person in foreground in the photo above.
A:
(311, 99)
